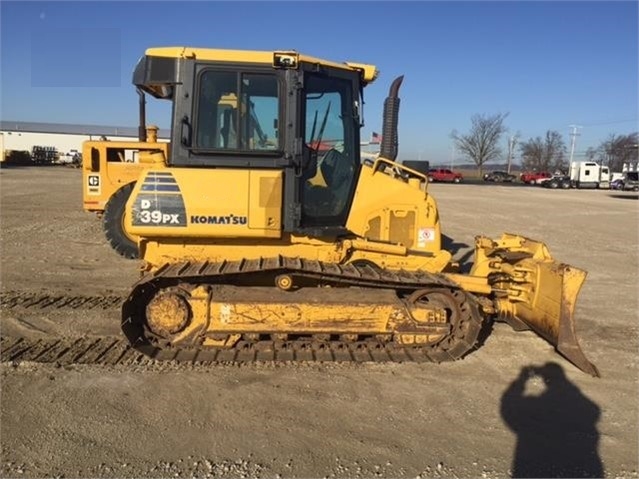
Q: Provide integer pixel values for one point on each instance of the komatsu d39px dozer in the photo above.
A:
(263, 236)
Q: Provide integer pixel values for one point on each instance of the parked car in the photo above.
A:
(499, 177)
(557, 181)
(617, 184)
(444, 175)
(630, 181)
(531, 177)
(72, 157)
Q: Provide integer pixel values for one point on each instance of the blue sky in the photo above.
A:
(549, 64)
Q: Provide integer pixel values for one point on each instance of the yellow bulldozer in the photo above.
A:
(263, 234)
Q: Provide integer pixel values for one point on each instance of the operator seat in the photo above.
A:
(329, 200)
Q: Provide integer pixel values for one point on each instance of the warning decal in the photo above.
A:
(425, 235)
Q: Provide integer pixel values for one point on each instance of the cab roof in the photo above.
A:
(369, 72)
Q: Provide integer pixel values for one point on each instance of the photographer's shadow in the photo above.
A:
(556, 429)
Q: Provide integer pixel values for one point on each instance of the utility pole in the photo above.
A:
(452, 157)
(512, 141)
(573, 140)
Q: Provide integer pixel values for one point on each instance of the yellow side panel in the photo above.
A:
(206, 203)
(387, 208)
(265, 200)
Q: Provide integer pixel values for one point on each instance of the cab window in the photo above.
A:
(237, 112)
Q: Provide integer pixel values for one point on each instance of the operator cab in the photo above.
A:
(266, 110)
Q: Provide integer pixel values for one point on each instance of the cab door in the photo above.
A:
(329, 129)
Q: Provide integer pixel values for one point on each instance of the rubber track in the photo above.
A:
(113, 351)
(16, 299)
(229, 272)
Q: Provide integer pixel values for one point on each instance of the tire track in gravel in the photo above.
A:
(40, 301)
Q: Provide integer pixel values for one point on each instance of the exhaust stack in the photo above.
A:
(389, 146)
(142, 122)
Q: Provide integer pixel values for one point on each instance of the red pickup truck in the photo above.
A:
(444, 175)
(531, 177)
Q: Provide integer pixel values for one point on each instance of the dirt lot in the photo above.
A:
(462, 419)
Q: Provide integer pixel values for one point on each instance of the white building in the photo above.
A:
(23, 136)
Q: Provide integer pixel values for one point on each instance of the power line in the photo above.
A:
(602, 123)
(614, 122)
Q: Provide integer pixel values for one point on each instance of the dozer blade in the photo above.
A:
(551, 311)
(541, 293)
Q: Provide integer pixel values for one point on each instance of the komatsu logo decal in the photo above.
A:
(218, 220)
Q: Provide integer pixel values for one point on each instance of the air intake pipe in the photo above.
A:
(388, 148)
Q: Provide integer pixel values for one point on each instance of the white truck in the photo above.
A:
(588, 174)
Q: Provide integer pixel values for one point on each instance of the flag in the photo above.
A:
(376, 138)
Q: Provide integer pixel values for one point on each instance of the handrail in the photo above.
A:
(384, 161)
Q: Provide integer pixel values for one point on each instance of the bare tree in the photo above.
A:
(616, 150)
(481, 143)
(544, 154)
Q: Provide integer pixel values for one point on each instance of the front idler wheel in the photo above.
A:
(460, 323)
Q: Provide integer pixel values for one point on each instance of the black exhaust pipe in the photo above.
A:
(389, 147)
(142, 122)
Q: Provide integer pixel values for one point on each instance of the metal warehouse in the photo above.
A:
(63, 138)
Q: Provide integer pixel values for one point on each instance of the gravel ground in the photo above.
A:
(462, 419)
